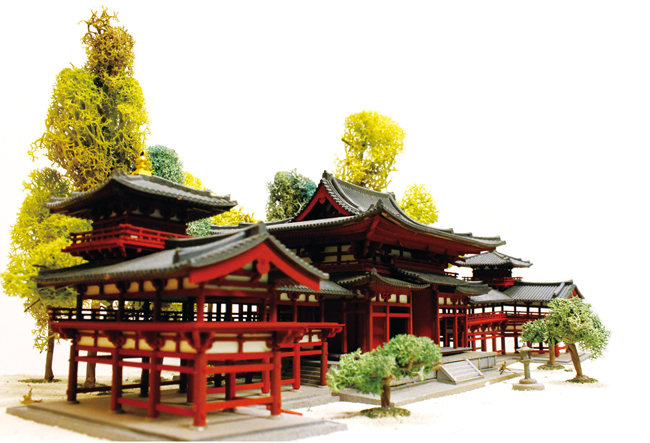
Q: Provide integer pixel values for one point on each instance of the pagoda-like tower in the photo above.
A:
(135, 214)
(494, 268)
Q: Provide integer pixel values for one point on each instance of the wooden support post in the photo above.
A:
(273, 315)
(370, 338)
(116, 385)
(494, 340)
(294, 310)
(276, 379)
(231, 383)
(266, 377)
(144, 379)
(503, 339)
(200, 389)
(296, 365)
(344, 338)
(456, 328)
(154, 385)
(474, 342)
(182, 385)
(73, 374)
(323, 362)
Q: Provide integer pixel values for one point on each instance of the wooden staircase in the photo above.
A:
(458, 372)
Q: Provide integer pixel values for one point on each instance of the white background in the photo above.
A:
(527, 120)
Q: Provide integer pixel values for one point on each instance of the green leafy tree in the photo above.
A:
(372, 143)
(537, 332)
(97, 121)
(418, 204)
(573, 322)
(289, 192)
(166, 163)
(372, 372)
(36, 242)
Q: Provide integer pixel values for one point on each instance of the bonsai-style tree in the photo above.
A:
(372, 143)
(419, 205)
(537, 332)
(36, 242)
(372, 372)
(289, 192)
(573, 322)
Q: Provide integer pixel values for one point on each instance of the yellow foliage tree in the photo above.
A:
(97, 121)
(372, 143)
(418, 204)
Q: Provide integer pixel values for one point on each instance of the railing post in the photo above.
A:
(323, 361)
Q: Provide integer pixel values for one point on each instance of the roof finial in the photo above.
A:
(141, 166)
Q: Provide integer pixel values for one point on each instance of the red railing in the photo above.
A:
(124, 233)
(67, 314)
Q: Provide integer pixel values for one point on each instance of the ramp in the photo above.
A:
(458, 372)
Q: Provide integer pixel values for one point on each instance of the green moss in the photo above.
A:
(550, 368)
(583, 380)
(385, 412)
(39, 380)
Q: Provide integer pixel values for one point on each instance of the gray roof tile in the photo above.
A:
(540, 292)
(493, 296)
(493, 258)
(179, 256)
(201, 203)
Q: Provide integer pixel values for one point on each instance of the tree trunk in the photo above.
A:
(90, 367)
(551, 354)
(575, 358)
(385, 395)
(49, 357)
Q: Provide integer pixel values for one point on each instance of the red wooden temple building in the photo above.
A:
(350, 271)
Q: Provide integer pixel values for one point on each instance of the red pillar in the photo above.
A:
(296, 366)
(116, 385)
(276, 387)
(266, 377)
(456, 327)
(231, 383)
(154, 385)
(199, 386)
(323, 362)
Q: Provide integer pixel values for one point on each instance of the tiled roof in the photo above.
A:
(362, 202)
(327, 287)
(493, 258)
(544, 292)
(493, 296)
(200, 203)
(373, 277)
(176, 260)
(431, 277)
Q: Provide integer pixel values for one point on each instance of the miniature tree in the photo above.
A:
(573, 322)
(166, 163)
(372, 143)
(289, 192)
(418, 204)
(36, 242)
(372, 372)
(97, 121)
(234, 217)
(537, 332)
